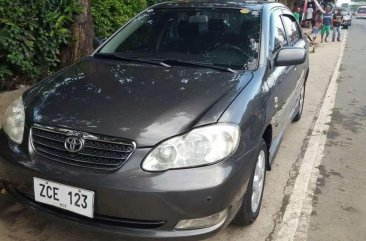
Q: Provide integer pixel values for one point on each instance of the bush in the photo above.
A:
(32, 33)
(110, 15)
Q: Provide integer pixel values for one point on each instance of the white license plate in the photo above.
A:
(73, 199)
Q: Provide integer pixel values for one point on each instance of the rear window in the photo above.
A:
(361, 10)
(222, 37)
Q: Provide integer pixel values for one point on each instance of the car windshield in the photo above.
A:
(218, 37)
(361, 10)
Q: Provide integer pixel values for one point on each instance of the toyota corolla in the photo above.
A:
(168, 128)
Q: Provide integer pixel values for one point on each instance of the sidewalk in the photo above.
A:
(317, 42)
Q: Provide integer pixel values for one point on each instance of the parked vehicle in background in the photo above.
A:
(168, 128)
(345, 5)
(361, 12)
(347, 19)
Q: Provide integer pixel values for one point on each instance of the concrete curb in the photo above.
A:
(306, 181)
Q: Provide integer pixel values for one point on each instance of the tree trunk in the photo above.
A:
(82, 31)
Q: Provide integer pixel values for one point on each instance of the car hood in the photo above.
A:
(143, 103)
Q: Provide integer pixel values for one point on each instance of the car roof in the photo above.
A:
(252, 5)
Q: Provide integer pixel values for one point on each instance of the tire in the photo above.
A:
(345, 27)
(248, 212)
(300, 105)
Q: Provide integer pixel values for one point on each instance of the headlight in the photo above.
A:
(201, 146)
(13, 121)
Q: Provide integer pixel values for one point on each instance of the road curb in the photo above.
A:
(306, 180)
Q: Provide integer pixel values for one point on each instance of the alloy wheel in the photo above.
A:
(258, 181)
(302, 100)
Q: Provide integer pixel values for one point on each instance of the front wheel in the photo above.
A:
(252, 199)
(300, 105)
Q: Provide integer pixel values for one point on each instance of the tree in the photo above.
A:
(31, 36)
(110, 15)
(82, 31)
(38, 37)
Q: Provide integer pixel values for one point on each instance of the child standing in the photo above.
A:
(337, 22)
(316, 29)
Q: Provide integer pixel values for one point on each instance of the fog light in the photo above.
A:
(205, 222)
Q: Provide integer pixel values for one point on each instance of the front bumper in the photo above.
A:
(132, 202)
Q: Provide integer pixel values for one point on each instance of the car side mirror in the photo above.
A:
(290, 56)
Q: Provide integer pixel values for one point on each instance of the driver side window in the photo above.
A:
(292, 29)
(279, 34)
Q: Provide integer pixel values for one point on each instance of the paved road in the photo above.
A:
(341, 168)
(339, 210)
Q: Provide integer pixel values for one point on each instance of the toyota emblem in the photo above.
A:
(74, 144)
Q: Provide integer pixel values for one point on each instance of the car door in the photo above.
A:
(278, 78)
(296, 73)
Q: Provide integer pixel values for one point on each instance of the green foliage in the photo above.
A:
(32, 33)
(110, 15)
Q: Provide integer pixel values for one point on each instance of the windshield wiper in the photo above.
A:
(130, 59)
(165, 62)
(195, 64)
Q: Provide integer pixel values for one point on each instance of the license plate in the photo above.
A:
(69, 198)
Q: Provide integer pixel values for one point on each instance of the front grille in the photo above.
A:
(98, 151)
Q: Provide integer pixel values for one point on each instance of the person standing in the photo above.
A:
(316, 28)
(337, 22)
(327, 21)
(297, 14)
(309, 15)
(318, 16)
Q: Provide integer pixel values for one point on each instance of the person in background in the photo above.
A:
(297, 14)
(327, 21)
(316, 29)
(309, 15)
(337, 22)
(318, 16)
